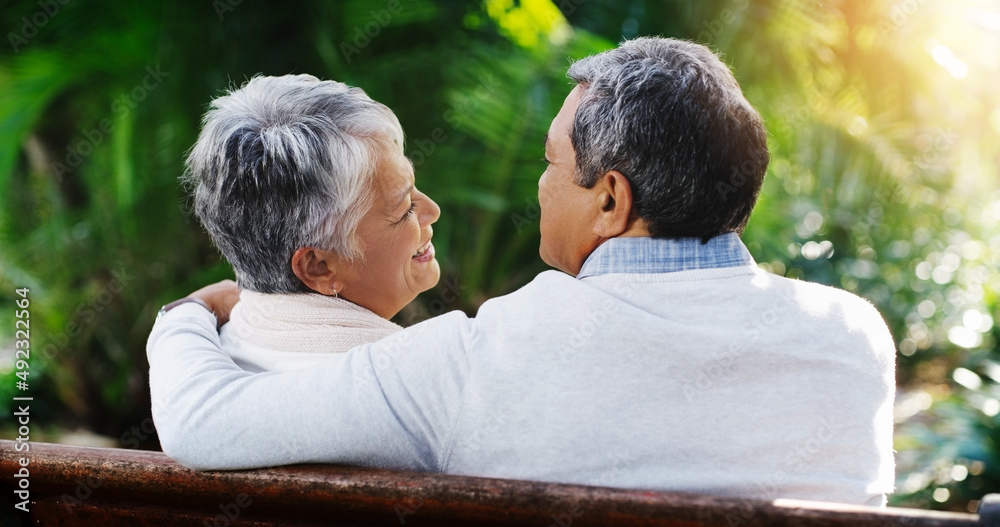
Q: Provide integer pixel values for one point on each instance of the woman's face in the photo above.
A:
(395, 236)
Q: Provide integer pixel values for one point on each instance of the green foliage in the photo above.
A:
(882, 180)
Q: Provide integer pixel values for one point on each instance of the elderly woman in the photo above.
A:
(303, 186)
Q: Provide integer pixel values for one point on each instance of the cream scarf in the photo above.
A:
(305, 322)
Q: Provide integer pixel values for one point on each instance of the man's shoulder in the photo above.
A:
(814, 292)
(824, 301)
(545, 285)
(542, 299)
(544, 288)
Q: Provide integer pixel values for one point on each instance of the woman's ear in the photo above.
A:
(317, 269)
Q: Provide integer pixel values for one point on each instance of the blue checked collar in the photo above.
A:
(642, 255)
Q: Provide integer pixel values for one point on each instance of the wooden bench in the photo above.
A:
(71, 485)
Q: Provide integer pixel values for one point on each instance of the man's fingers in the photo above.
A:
(220, 297)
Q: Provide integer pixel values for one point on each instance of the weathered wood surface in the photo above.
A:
(100, 486)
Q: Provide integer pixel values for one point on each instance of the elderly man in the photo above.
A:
(662, 358)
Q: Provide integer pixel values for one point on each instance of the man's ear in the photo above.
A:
(615, 216)
(317, 269)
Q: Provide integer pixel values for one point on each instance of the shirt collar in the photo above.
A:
(640, 255)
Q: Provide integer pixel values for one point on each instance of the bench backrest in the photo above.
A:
(69, 485)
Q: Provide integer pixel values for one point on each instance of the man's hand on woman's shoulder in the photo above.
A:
(220, 297)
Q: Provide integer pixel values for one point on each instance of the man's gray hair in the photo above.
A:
(670, 116)
(288, 162)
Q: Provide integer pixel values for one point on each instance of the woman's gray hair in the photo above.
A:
(288, 162)
(670, 116)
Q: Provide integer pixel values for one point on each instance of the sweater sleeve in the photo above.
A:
(388, 404)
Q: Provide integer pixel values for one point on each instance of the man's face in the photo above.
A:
(567, 208)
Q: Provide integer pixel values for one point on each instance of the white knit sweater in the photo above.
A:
(279, 332)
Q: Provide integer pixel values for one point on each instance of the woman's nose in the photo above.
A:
(431, 213)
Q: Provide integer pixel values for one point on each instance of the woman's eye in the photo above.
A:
(409, 212)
